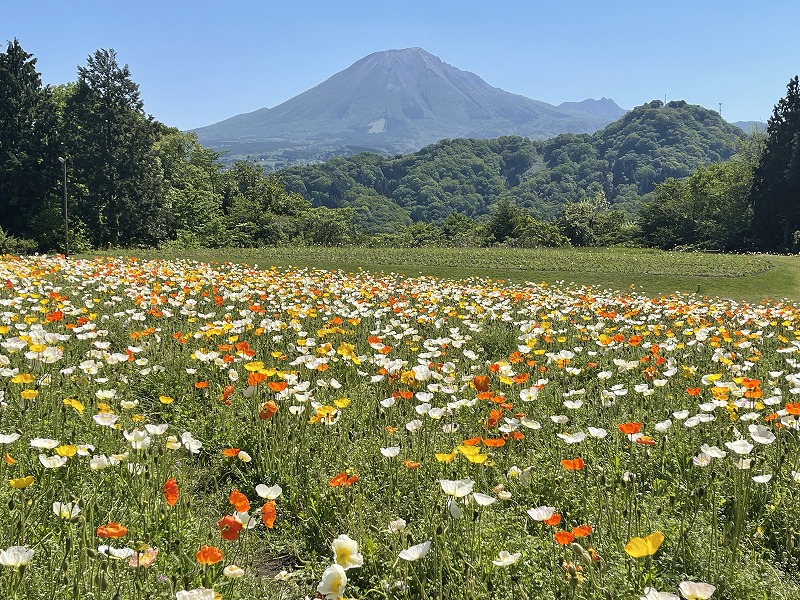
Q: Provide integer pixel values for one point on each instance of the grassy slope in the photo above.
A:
(748, 278)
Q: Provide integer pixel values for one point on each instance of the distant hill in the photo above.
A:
(748, 126)
(391, 102)
(625, 160)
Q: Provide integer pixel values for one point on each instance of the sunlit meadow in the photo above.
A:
(172, 429)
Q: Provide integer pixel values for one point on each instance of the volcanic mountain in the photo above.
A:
(393, 102)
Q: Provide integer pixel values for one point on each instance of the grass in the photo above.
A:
(744, 278)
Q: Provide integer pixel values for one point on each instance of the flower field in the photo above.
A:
(175, 429)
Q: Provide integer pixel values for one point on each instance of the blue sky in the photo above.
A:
(198, 62)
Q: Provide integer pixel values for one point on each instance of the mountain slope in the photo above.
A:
(398, 101)
(624, 161)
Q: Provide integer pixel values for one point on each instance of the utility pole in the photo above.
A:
(63, 161)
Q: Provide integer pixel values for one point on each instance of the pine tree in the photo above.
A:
(111, 143)
(775, 195)
(29, 168)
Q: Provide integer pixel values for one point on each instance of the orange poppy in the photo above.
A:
(630, 428)
(581, 531)
(268, 410)
(411, 464)
(521, 377)
(226, 393)
(694, 391)
(230, 452)
(201, 385)
(554, 520)
(472, 441)
(9, 460)
(209, 555)
(793, 408)
(573, 464)
(268, 514)
(255, 378)
(239, 501)
(170, 491)
(564, 537)
(494, 442)
(751, 384)
(229, 528)
(487, 395)
(646, 440)
(278, 386)
(481, 383)
(112, 530)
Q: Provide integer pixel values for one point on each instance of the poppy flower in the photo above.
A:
(338, 479)
(268, 410)
(209, 555)
(793, 408)
(411, 464)
(278, 386)
(21, 482)
(581, 531)
(630, 428)
(553, 521)
(239, 501)
(226, 393)
(564, 537)
(573, 464)
(481, 383)
(342, 479)
(170, 491)
(647, 546)
(253, 379)
(201, 385)
(112, 530)
(229, 528)
(230, 452)
(268, 514)
(494, 442)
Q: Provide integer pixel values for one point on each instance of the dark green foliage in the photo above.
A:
(776, 181)
(709, 211)
(624, 161)
(110, 145)
(29, 168)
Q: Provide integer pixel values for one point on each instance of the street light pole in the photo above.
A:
(63, 161)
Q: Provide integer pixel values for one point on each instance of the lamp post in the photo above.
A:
(63, 161)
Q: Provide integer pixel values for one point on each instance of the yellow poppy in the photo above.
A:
(646, 546)
(71, 402)
(445, 457)
(22, 482)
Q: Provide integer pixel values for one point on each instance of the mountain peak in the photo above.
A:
(394, 101)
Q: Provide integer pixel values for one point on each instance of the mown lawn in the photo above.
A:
(749, 278)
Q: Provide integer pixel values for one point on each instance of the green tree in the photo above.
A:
(775, 195)
(110, 142)
(29, 167)
(192, 179)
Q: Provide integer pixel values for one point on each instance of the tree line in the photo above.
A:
(664, 175)
(132, 181)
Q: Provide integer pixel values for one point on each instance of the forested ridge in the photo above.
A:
(624, 161)
(666, 175)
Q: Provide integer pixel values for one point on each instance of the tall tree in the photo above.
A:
(775, 194)
(110, 141)
(29, 168)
